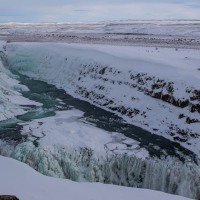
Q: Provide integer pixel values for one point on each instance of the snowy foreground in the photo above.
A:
(34, 186)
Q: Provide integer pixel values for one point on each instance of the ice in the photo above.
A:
(12, 100)
(85, 164)
(64, 129)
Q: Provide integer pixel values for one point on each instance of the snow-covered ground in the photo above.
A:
(159, 88)
(173, 28)
(34, 186)
(176, 33)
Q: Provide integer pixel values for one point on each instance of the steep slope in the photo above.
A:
(12, 102)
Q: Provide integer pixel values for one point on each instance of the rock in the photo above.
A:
(8, 197)
(190, 121)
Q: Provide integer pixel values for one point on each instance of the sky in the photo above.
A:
(96, 10)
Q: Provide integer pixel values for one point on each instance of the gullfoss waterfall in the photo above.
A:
(66, 133)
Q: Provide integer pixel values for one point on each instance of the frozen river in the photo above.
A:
(54, 99)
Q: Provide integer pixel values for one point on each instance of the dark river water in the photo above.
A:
(54, 99)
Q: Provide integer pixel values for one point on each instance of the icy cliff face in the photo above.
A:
(168, 175)
(11, 100)
(159, 88)
(37, 186)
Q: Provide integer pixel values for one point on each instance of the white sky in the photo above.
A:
(96, 10)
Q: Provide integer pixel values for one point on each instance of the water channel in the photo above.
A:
(54, 99)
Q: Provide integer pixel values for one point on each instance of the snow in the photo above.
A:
(12, 100)
(20, 180)
(175, 33)
(65, 146)
(173, 28)
(64, 129)
(162, 62)
(77, 69)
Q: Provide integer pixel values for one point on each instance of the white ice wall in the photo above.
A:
(169, 175)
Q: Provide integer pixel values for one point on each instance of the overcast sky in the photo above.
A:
(96, 10)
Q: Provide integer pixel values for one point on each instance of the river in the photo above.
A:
(54, 99)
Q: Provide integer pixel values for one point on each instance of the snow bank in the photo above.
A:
(159, 88)
(25, 183)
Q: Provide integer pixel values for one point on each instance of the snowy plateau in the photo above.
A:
(149, 94)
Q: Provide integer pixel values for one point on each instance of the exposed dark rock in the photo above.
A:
(102, 71)
(194, 135)
(196, 95)
(181, 116)
(180, 139)
(190, 121)
(195, 108)
(8, 197)
(152, 86)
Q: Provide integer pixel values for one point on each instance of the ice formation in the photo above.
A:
(36, 186)
(84, 164)
(11, 100)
